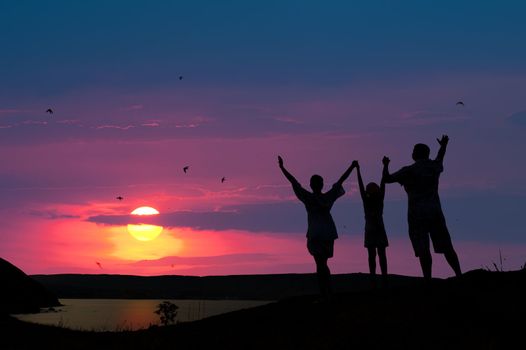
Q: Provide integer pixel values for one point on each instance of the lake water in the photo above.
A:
(129, 314)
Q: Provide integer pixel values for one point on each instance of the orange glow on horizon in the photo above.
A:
(128, 248)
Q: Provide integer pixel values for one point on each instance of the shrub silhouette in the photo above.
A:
(167, 312)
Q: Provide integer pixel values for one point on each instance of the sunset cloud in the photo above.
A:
(229, 259)
(53, 215)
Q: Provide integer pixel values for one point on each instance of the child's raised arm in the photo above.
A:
(385, 162)
(360, 181)
(347, 172)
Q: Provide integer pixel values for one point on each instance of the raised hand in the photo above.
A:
(385, 160)
(280, 161)
(443, 141)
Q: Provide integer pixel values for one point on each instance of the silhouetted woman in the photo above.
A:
(321, 231)
(375, 239)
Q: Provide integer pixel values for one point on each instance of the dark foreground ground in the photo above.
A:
(481, 310)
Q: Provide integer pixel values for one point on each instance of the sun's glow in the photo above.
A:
(145, 232)
(128, 248)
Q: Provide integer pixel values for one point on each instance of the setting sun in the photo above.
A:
(145, 211)
(144, 232)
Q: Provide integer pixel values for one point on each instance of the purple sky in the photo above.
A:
(319, 84)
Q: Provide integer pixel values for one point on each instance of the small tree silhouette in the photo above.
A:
(167, 312)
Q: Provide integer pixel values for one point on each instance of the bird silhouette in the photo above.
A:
(98, 264)
(223, 179)
(120, 198)
(460, 103)
(49, 110)
(180, 77)
(185, 169)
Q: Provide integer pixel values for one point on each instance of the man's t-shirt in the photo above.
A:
(420, 181)
(320, 222)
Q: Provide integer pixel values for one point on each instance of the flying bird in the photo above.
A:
(180, 77)
(49, 110)
(120, 198)
(223, 179)
(98, 264)
(460, 103)
(185, 169)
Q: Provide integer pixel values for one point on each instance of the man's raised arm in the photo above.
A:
(386, 177)
(442, 151)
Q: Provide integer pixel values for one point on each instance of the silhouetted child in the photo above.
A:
(321, 231)
(375, 239)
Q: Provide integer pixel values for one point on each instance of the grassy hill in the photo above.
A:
(481, 310)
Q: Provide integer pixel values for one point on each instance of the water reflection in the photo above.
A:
(129, 314)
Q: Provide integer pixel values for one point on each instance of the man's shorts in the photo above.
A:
(434, 227)
(321, 247)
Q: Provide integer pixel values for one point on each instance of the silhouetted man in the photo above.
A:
(425, 217)
(321, 231)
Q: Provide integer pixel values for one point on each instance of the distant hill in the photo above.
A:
(19, 293)
(254, 287)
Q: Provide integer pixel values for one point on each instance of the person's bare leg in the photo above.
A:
(426, 262)
(328, 284)
(371, 252)
(452, 259)
(382, 258)
(324, 276)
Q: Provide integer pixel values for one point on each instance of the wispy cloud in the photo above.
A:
(35, 122)
(120, 127)
(184, 126)
(135, 107)
(68, 121)
(289, 120)
(52, 214)
(151, 124)
(227, 259)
